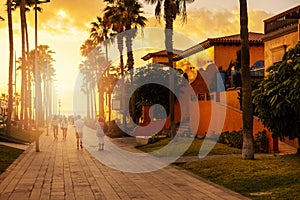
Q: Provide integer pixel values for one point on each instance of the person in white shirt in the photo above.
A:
(100, 125)
(64, 126)
(55, 123)
(79, 124)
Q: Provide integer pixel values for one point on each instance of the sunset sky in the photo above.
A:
(64, 25)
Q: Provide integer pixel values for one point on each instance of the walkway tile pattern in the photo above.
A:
(60, 171)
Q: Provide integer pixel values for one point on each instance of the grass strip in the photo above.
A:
(267, 177)
(8, 156)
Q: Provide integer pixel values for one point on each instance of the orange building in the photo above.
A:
(222, 50)
(201, 63)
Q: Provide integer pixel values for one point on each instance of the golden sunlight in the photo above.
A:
(62, 14)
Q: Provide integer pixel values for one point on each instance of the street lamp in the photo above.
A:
(59, 105)
(37, 113)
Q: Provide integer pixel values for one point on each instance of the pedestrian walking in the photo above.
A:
(54, 124)
(64, 126)
(101, 128)
(79, 123)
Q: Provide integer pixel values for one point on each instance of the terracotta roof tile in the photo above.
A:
(253, 37)
(162, 53)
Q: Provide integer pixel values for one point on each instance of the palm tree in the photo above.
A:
(172, 8)
(99, 34)
(132, 18)
(110, 80)
(124, 15)
(45, 61)
(24, 113)
(247, 152)
(11, 59)
(110, 12)
(89, 68)
(85, 69)
(26, 82)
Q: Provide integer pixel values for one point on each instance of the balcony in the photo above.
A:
(282, 24)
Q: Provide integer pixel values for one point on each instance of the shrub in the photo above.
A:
(113, 130)
(235, 139)
(232, 139)
(261, 142)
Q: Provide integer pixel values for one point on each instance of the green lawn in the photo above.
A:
(268, 177)
(193, 150)
(8, 156)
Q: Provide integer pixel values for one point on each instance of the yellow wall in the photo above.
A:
(274, 48)
(225, 54)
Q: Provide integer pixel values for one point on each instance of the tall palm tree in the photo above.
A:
(172, 8)
(248, 151)
(99, 34)
(28, 101)
(45, 61)
(24, 111)
(125, 15)
(88, 69)
(10, 71)
(117, 26)
(85, 69)
(26, 82)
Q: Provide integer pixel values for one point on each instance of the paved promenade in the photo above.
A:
(60, 171)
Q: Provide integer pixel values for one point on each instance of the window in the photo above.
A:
(201, 97)
(209, 97)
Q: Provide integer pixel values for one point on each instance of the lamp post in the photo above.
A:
(37, 112)
(59, 105)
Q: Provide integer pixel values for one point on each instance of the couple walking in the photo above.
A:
(63, 122)
(101, 128)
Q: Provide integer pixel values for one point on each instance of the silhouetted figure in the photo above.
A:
(54, 124)
(100, 125)
(79, 123)
(64, 126)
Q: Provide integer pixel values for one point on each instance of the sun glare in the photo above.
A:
(62, 14)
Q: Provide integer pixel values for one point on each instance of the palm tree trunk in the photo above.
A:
(92, 102)
(38, 98)
(101, 100)
(10, 71)
(248, 151)
(120, 47)
(24, 65)
(88, 102)
(109, 107)
(28, 100)
(169, 48)
(130, 65)
(95, 104)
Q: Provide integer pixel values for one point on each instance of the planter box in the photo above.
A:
(142, 140)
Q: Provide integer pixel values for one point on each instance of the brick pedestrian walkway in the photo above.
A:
(60, 171)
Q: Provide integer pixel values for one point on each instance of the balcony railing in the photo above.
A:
(280, 24)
